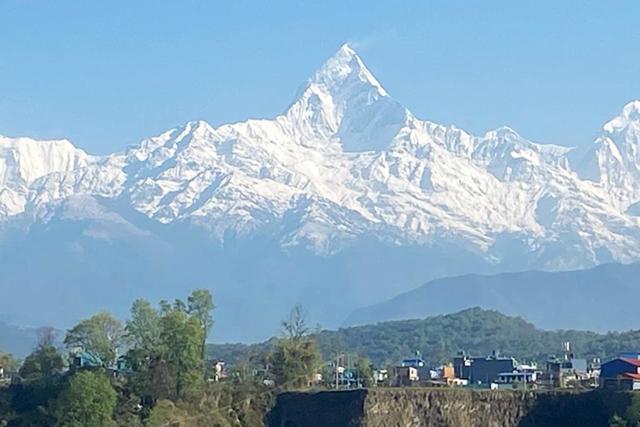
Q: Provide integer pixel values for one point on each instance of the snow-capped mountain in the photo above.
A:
(23, 161)
(614, 159)
(344, 166)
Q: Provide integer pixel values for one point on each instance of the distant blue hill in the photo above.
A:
(17, 341)
(600, 299)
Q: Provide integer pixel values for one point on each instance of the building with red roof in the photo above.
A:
(622, 373)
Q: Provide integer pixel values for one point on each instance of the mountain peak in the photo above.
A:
(630, 114)
(344, 101)
(344, 66)
(503, 132)
(346, 51)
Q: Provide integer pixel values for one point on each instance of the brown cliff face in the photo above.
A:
(413, 407)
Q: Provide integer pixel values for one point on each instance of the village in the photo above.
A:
(493, 372)
(501, 372)
(498, 377)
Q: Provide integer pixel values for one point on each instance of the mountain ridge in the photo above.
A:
(345, 171)
(550, 300)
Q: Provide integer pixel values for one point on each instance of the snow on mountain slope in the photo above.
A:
(24, 160)
(345, 162)
(614, 159)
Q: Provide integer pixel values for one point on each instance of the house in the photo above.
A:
(485, 370)
(415, 362)
(462, 366)
(86, 360)
(217, 368)
(447, 372)
(122, 365)
(380, 376)
(620, 374)
(516, 379)
(630, 355)
(482, 370)
(566, 369)
(561, 371)
(419, 364)
(405, 375)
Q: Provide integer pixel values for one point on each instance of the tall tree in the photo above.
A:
(44, 362)
(364, 371)
(296, 326)
(89, 400)
(200, 305)
(181, 337)
(143, 327)
(296, 357)
(143, 336)
(46, 336)
(101, 335)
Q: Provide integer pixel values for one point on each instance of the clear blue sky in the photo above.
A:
(108, 73)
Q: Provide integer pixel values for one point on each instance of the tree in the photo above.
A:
(181, 337)
(89, 400)
(296, 356)
(200, 305)
(143, 327)
(101, 335)
(143, 335)
(46, 337)
(167, 346)
(7, 362)
(161, 383)
(44, 362)
(295, 327)
(617, 421)
(632, 413)
(364, 372)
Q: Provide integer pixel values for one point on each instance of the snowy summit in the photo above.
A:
(347, 160)
(346, 163)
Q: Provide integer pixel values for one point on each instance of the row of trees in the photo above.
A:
(168, 346)
(145, 371)
(161, 352)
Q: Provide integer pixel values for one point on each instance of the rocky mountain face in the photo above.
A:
(344, 199)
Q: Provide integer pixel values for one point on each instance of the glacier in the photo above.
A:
(277, 211)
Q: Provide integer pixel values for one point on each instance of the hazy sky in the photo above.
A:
(107, 73)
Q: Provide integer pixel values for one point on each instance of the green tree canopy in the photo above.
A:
(88, 401)
(200, 305)
(143, 335)
(43, 362)
(143, 327)
(364, 371)
(181, 337)
(296, 357)
(7, 362)
(102, 335)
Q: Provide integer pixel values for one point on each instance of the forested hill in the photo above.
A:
(439, 338)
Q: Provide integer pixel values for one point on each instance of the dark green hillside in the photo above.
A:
(438, 338)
